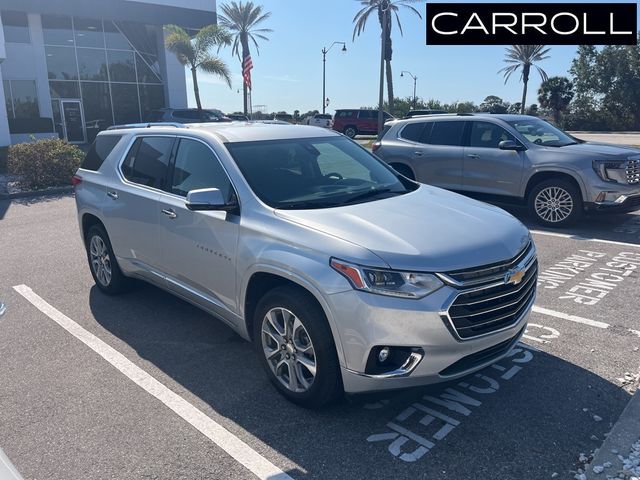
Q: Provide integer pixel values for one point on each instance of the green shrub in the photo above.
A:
(44, 163)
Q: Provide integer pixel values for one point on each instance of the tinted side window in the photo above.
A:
(368, 114)
(99, 151)
(197, 167)
(188, 114)
(412, 132)
(447, 133)
(346, 114)
(147, 161)
(487, 135)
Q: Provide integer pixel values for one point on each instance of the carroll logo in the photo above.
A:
(531, 23)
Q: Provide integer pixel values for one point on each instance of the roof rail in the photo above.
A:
(147, 125)
(465, 114)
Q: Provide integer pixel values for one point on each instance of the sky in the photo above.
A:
(287, 73)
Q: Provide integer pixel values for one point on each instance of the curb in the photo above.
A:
(624, 433)
(36, 193)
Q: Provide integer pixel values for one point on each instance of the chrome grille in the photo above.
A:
(633, 171)
(486, 301)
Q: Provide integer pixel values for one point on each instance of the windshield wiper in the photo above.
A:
(374, 192)
(306, 205)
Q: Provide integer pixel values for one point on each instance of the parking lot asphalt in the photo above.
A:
(68, 410)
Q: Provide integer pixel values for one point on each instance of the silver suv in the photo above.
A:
(515, 157)
(345, 274)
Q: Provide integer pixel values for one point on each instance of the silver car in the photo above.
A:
(515, 157)
(346, 275)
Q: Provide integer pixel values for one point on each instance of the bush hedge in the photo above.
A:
(44, 163)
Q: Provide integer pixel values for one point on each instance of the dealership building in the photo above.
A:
(71, 68)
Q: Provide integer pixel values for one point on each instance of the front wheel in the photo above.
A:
(296, 348)
(555, 203)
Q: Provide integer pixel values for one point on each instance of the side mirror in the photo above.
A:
(208, 199)
(510, 145)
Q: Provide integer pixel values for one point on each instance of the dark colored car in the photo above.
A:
(417, 113)
(358, 122)
(238, 117)
(187, 115)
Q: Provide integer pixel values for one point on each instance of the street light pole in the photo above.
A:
(324, 71)
(414, 85)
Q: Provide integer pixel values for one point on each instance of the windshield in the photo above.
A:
(542, 133)
(320, 172)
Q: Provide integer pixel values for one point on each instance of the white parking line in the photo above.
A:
(571, 318)
(219, 435)
(578, 237)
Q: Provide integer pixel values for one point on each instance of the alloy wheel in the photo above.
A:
(100, 260)
(553, 204)
(288, 348)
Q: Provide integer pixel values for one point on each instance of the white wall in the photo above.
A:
(206, 5)
(5, 138)
(175, 82)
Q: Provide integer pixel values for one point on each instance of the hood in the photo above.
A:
(596, 150)
(430, 230)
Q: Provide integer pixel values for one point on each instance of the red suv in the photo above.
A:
(358, 122)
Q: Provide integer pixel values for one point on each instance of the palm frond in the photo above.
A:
(216, 66)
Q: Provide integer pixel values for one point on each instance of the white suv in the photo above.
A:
(320, 120)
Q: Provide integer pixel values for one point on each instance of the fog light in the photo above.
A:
(601, 196)
(383, 354)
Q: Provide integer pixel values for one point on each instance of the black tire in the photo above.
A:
(350, 131)
(548, 195)
(117, 282)
(404, 170)
(327, 383)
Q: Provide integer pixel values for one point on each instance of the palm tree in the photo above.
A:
(194, 52)
(380, 6)
(556, 94)
(242, 19)
(525, 57)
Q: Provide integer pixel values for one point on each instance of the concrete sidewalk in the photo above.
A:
(607, 462)
(618, 138)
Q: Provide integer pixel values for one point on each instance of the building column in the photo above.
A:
(5, 137)
(173, 72)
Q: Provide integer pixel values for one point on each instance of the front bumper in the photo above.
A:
(623, 203)
(366, 321)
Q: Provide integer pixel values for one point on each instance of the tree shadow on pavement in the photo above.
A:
(525, 421)
(29, 201)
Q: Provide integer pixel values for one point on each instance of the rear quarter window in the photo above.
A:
(412, 131)
(447, 133)
(100, 149)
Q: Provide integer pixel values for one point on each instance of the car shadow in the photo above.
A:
(529, 426)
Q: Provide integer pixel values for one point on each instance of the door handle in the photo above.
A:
(169, 212)
(417, 154)
(113, 194)
(473, 155)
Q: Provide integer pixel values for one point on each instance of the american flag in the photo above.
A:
(247, 65)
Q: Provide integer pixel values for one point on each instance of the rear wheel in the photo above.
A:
(102, 262)
(296, 348)
(350, 131)
(555, 203)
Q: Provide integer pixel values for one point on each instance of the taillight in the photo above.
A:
(76, 180)
(375, 146)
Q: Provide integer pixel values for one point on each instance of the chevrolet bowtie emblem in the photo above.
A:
(514, 276)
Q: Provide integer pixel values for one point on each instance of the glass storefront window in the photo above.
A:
(121, 66)
(64, 89)
(96, 101)
(151, 98)
(15, 26)
(88, 32)
(57, 30)
(92, 64)
(145, 74)
(61, 63)
(114, 38)
(21, 98)
(126, 106)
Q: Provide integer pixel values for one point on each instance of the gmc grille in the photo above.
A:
(633, 171)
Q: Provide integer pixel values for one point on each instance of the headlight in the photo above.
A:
(388, 282)
(611, 171)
